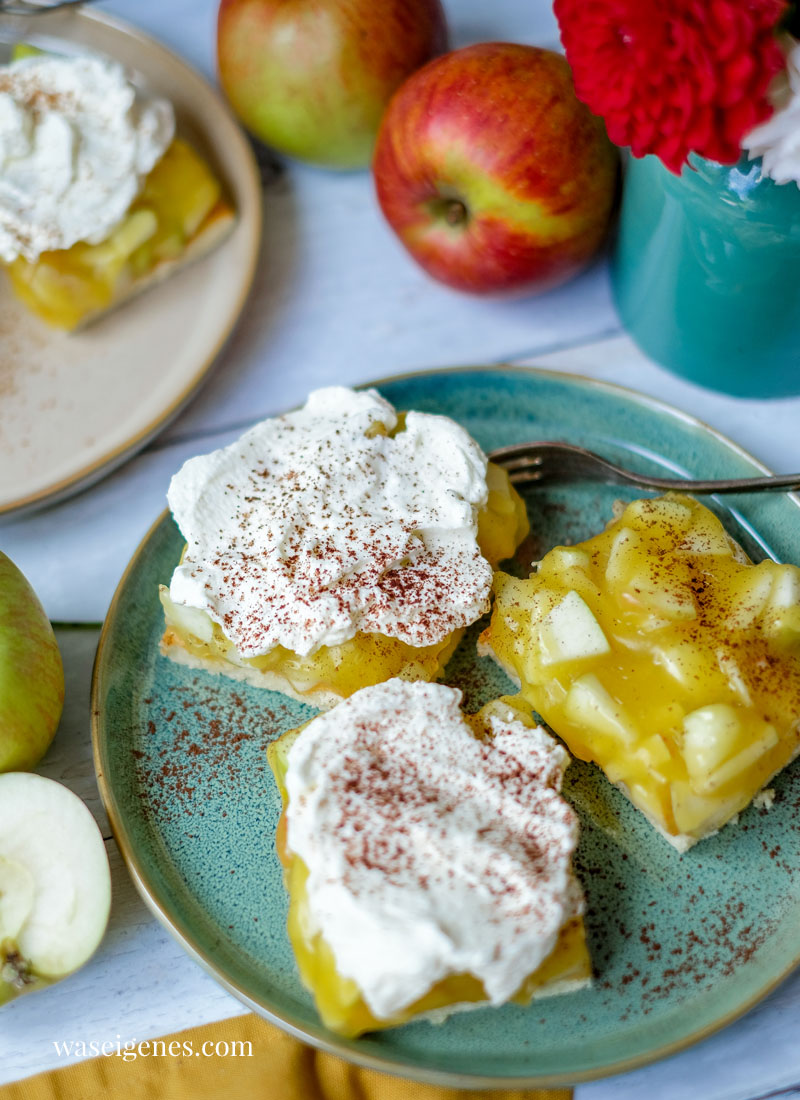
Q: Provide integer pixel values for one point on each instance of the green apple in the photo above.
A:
(312, 77)
(55, 884)
(31, 674)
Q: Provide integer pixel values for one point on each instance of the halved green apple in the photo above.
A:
(55, 884)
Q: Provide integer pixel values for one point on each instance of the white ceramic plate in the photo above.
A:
(72, 406)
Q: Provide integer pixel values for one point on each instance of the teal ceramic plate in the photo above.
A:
(681, 944)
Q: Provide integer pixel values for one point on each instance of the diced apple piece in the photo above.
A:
(705, 537)
(615, 768)
(49, 285)
(498, 484)
(785, 590)
(643, 514)
(674, 601)
(654, 801)
(653, 623)
(278, 753)
(514, 594)
(685, 662)
(781, 617)
(542, 602)
(695, 813)
(588, 703)
(554, 691)
(752, 592)
(568, 568)
(512, 624)
(141, 261)
(562, 558)
(503, 521)
(691, 811)
(536, 606)
(182, 188)
(710, 736)
(137, 228)
(186, 620)
(170, 247)
(783, 626)
(623, 557)
(733, 674)
(204, 195)
(654, 756)
(741, 762)
(654, 751)
(570, 632)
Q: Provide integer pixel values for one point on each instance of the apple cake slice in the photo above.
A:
(335, 547)
(428, 858)
(659, 651)
(98, 198)
(179, 216)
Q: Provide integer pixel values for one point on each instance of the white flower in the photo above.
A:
(777, 141)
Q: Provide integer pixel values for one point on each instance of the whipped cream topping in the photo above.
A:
(76, 141)
(318, 524)
(431, 852)
(777, 141)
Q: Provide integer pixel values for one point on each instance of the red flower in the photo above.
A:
(674, 77)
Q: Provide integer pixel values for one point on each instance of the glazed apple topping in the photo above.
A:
(658, 650)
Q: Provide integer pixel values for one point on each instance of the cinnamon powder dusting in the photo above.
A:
(651, 953)
(332, 520)
(191, 750)
(412, 827)
(394, 798)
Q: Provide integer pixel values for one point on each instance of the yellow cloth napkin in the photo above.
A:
(280, 1068)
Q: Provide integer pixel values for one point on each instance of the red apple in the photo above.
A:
(31, 675)
(312, 77)
(491, 171)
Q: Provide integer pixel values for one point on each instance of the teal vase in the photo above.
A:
(706, 274)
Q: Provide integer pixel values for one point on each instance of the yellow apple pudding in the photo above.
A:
(659, 651)
(336, 546)
(98, 197)
(428, 858)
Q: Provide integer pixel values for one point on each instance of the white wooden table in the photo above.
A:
(336, 301)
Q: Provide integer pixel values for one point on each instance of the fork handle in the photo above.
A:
(578, 463)
(768, 483)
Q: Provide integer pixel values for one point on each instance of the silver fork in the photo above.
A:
(31, 7)
(548, 461)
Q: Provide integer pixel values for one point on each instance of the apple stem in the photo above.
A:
(455, 212)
